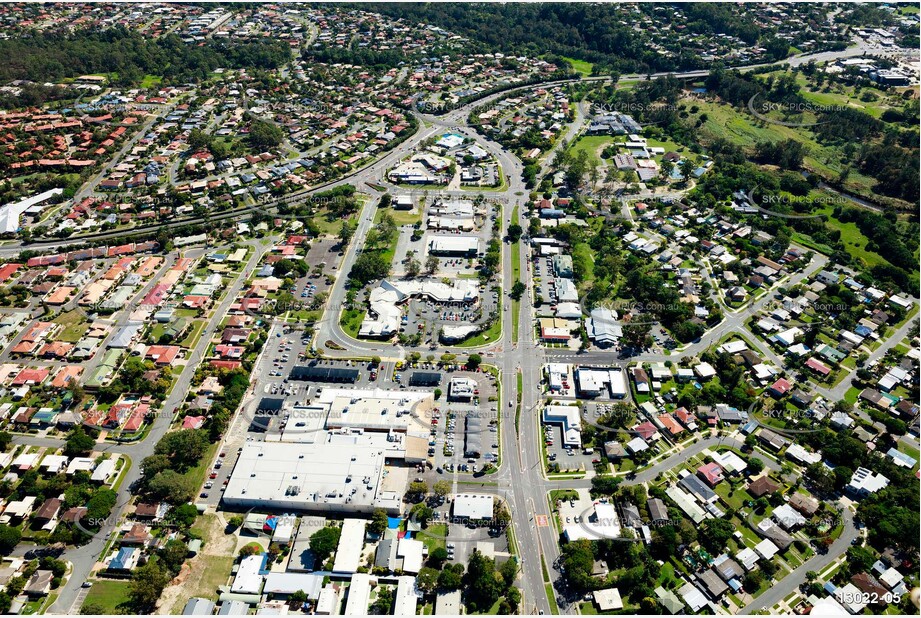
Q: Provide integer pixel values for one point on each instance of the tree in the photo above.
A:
(514, 232)
(147, 585)
(78, 443)
(508, 571)
(518, 290)
(346, 231)
(5, 439)
(605, 485)
(483, 584)
(88, 609)
(427, 579)
(174, 554)
(438, 556)
(184, 515)
(9, 538)
(473, 361)
(383, 604)
(451, 578)
(264, 134)
(421, 513)
(418, 489)
(431, 264)
(413, 268)
(298, 598)
(714, 533)
(379, 522)
(441, 488)
(755, 465)
(323, 542)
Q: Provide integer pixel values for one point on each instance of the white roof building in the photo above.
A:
(788, 517)
(569, 418)
(864, 482)
(730, 462)
(410, 550)
(473, 506)
(766, 549)
(359, 595)
(608, 599)
(407, 596)
(351, 542)
(249, 579)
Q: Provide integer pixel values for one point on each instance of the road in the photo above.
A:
(84, 558)
(817, 563)
(521, 476)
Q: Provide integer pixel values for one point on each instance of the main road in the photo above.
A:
(522, 469)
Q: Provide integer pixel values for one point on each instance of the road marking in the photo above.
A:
(542, 521)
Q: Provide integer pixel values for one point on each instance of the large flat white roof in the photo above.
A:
(359, 595)
(351, 542)
(330, 477)
(404, 602)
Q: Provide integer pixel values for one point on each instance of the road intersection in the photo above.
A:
(521, 477)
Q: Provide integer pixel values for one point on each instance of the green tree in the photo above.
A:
(473, 361)
(451, 578)
(438, 556)
(78, 443)
(441, 488)
(184, 515)
(518, 290)
(427, 579)
(147, 583)
(264, 134)
(9, 538)
(323, 542)
(714, 533)
(379, 522)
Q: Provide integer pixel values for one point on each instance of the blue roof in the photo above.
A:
(122, 558)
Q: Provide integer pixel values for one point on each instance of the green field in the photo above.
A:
(350, 321)
(74, 326)
(400, 217)
(853, 239)
(742, 129)
(150, 81)
(108, 595)
(580, 66)
(593, 145)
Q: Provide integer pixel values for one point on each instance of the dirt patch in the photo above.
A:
(200, 576)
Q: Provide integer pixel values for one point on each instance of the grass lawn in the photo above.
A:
(400, 217)
(196, 476)
(580, 66)
(350, 321)
(851, 395)
(74, 326)
(434, 536)
(487, 336)
(738, 498)
(666, 574)
(551, 599)
(855, 241)
(108, 595)
(744, 130)
(194, 333)
(150, 81)
(592, 144)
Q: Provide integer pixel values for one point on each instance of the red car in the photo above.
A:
(213, 475)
